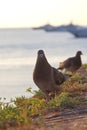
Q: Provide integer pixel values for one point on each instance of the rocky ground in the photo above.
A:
(74, 119)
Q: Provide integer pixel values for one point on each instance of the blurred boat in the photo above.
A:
(79, 32)
(76, 30)
(44, 27)
(62, 28)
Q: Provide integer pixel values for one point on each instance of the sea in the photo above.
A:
(18, 54)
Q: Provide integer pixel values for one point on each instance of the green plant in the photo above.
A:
(75, 84)
(39, 94)
(63, 100)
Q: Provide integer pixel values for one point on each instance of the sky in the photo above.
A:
(31, 13)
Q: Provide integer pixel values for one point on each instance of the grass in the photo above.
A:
(75, 84)
(24, 110)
